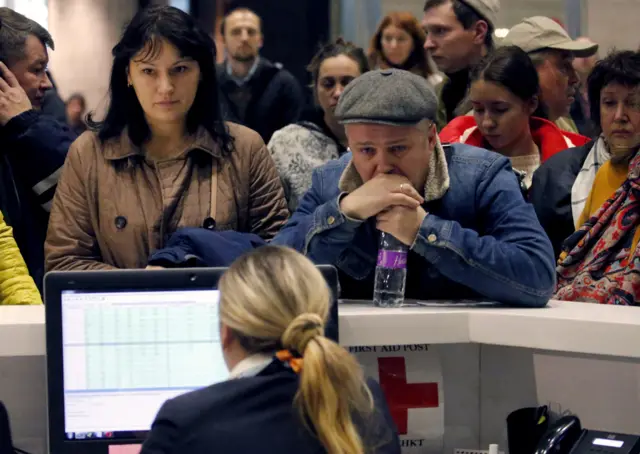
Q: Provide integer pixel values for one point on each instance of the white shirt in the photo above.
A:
(251, 366)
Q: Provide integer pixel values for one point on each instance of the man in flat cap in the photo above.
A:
(459, 34)
(552, 51)
(461, 211)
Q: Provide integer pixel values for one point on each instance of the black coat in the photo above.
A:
(33, 149)
(276, 98)
(550, 193)
(251, 415)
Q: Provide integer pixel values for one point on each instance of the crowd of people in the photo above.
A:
(510, 168)
(462, 146)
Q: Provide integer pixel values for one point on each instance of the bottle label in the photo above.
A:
(392, 259)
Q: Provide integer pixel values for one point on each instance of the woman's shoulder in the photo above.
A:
(297, 135)
(460, 129)
(86, 148)
(244, 138)
(88, 139)
(548, 128)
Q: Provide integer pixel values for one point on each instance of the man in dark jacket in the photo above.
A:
(254, 91)
(33, 147)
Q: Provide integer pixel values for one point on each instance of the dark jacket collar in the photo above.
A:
(265, 69)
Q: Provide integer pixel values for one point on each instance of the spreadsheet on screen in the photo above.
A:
(126, 353)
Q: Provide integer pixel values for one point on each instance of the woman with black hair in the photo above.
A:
(507, 117)
(162, 159)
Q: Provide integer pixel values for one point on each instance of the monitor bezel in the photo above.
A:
(122, 280)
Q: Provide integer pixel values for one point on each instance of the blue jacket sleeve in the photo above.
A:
(511, 262)
(35, 138)
(318, 229)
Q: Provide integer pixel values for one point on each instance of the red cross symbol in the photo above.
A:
(401, 396)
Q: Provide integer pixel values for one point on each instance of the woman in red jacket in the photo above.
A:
(506, 114)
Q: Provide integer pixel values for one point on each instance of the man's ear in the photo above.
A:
(481, 28)
(432, 136)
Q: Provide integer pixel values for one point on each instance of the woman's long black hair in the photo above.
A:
(147, 29)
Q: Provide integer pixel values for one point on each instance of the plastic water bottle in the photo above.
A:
(391, 272)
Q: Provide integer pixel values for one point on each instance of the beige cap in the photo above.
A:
(539, 32)
(488, 9)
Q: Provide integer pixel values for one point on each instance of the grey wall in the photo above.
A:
(612, 23)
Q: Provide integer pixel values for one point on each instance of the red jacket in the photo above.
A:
(549, 138)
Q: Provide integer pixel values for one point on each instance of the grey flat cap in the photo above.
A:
(388, 96)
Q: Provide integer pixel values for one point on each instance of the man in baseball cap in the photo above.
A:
(459, 210)
(459, 34)
(552, 51)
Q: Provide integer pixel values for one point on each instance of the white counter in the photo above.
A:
(583, 357)
(562, 326)
(22, 331)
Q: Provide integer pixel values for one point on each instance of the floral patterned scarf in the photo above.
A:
(600, 266)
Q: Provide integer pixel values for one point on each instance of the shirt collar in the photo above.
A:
(240, 81)
(251, 366)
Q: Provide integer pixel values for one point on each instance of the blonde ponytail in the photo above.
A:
(276, 298)
(332, 389)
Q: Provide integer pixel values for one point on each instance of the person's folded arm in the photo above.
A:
(511, 261)
(71, 240)
(318, 228)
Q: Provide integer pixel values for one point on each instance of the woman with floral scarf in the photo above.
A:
(601, 260)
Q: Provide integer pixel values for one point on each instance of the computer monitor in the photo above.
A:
(120, 343)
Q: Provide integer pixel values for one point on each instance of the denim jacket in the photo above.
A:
(481, 239)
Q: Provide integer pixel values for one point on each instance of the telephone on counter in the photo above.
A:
(567, 436)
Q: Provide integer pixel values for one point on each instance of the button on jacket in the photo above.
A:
(113, 207)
